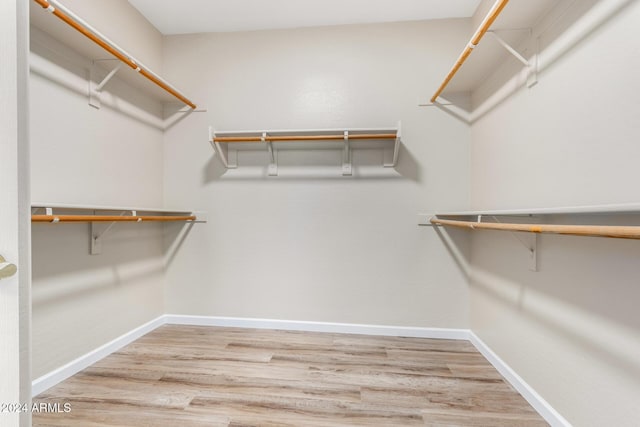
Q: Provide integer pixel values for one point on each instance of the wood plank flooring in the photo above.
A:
(206, 376)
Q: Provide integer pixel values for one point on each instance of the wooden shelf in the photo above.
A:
(514, 25)
(227, 143)
(72, 31)
(36, 205)
(590, 221)
(614, 231)
(103, 218)
(624, 208)
(111, 218)
(56, 212)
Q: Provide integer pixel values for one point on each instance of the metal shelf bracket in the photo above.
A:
(95, 89)
(273, 156)
(228, 158)
(346, 140)
(531, 245)
(391, 155)
(98, 230)
(532, 78)
(346, 156)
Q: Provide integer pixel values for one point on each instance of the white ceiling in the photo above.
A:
(197, 16)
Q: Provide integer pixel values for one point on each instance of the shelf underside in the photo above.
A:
(50, 27)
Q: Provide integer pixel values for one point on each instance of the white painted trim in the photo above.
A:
(308, 326)
(56, 376)
(104, 208)
(560, 210)
(535, 400)
(539, 404)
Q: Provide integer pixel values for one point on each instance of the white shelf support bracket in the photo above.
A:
(478, 220)
(532, 77)
(346, 156)
(98, 230)
(344, 142)
(229, 160)
(533, 252)
(95, 89)
(531, 246)
(391, 155)
(273, 156)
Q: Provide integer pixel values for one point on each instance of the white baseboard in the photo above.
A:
(543, 407)
(47, 381)
(535, 400)
(308, 326)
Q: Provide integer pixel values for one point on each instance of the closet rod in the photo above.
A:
(477, 36)
(275, 138)
(109, 218)
(94, 35)
(620, 232)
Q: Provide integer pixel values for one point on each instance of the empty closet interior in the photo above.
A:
(468, 176)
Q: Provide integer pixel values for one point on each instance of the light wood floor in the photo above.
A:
(206, 376)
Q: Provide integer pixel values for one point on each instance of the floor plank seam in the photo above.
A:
(304, 379)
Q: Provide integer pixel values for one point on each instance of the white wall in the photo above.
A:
(311, 244)
(570, 330)
(124, 25)
(81, 155)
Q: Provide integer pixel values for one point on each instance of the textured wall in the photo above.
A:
(311, 244)
(570, 330)
(84, 156)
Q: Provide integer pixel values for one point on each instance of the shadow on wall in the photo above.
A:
(559, 38)
(458, 244)
(175, 113)
(66, 69)
(586, 290)
(64, 269)
(312, 165)
(175, 235)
